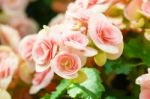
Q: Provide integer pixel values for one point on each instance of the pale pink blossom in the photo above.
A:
(23, 25)
(145, 8)
(117, 55)
(9, 36)
(43, 51)
(104, 35)
(86, 3)
(75, 39)
(26, 45)
(144, 82)
(14, 6)
(8, 65)
(55, 32)
(57, 20)
(41, 80)
(79, 42)
(75, 11)
(145, 93)
(25, 50)
(132, 9)
(66, 64)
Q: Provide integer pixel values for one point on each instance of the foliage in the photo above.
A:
(91, 88)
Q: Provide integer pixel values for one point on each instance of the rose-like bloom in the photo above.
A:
(79, 42)
(117, 55)
(57, 20)
(8, 65)
(144, 82)
(145, 9)
(41, 80)
(13, 6)
(75, 40)
(26, 45)
(104, 35)
(25, 50)
(9, 36)
(66, 64)
(23, 25)
(43, 51)
(86, 3)
(75, 11)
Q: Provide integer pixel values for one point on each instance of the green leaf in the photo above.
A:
(119, 66)
(61, 89)
(46, 96)
(78, 91)
(138, 47)
(110, 97)
(92, 85)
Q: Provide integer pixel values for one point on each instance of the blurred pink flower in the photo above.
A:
(23, 25)
(14, 6)
(8, 65)
(26, 45)
(86, 3)
(77, 12)
(9, 36)
(25, 50)
(145, 9)
(132, 9)
(144, 82)
(43, 51)
(66, 64)
(41, 80)
(57, 20)
(104, 35)
(145, 93)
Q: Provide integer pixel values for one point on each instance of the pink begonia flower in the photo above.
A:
(117, 55)
(25, 50)
(79, 42)
(82, 54)
(14, 6)
(66, 64)
(75, 39)
(26, 45)
(75, 11)
(145, 93)
(104, 35)
(54, 32)
(9, 36)
(86, 3)
(8, 65)
(57, 20)
(144, 82)
(43, 51)
(145, 8)
(131, 10)
(23, 25)
(41, 80)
